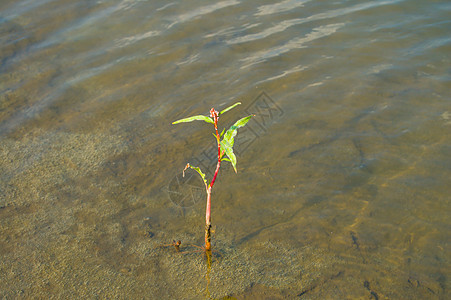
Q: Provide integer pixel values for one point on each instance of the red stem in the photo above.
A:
(214, 115)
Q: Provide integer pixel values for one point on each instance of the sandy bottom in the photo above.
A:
(81, 215)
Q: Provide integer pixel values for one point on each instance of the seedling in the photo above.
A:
(225, 153)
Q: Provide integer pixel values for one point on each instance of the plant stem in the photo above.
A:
(208, 210)
(214, 115)
(208, 222)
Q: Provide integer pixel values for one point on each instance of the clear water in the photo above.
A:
(342, 189)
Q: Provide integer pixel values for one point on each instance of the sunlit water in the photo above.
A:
(342, 189)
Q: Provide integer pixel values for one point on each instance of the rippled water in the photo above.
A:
(342, 188)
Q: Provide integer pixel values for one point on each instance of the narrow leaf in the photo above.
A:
(198, 170)
(226, 159)
(229, 152)
(194, 118)
(243, 121)
(230, 134)
(228, 108)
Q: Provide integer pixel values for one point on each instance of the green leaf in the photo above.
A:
(226, 159)
(229, 152)
(198, 171)
(194, 118)
(228, 108)
(222, 133)
(230, 134)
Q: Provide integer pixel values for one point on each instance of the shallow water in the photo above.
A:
(342, 188)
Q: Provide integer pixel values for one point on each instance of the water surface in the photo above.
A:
(342, 188)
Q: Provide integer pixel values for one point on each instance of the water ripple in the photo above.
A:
(292, 22)
(202, 11)
(231, 30)
(295, 69)
(296, 43)
(21, 8)
(123, 42)
(165, 6)
(283, 6)
(70, 31)
(189, 60)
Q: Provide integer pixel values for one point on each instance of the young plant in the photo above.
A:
(225, 153)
